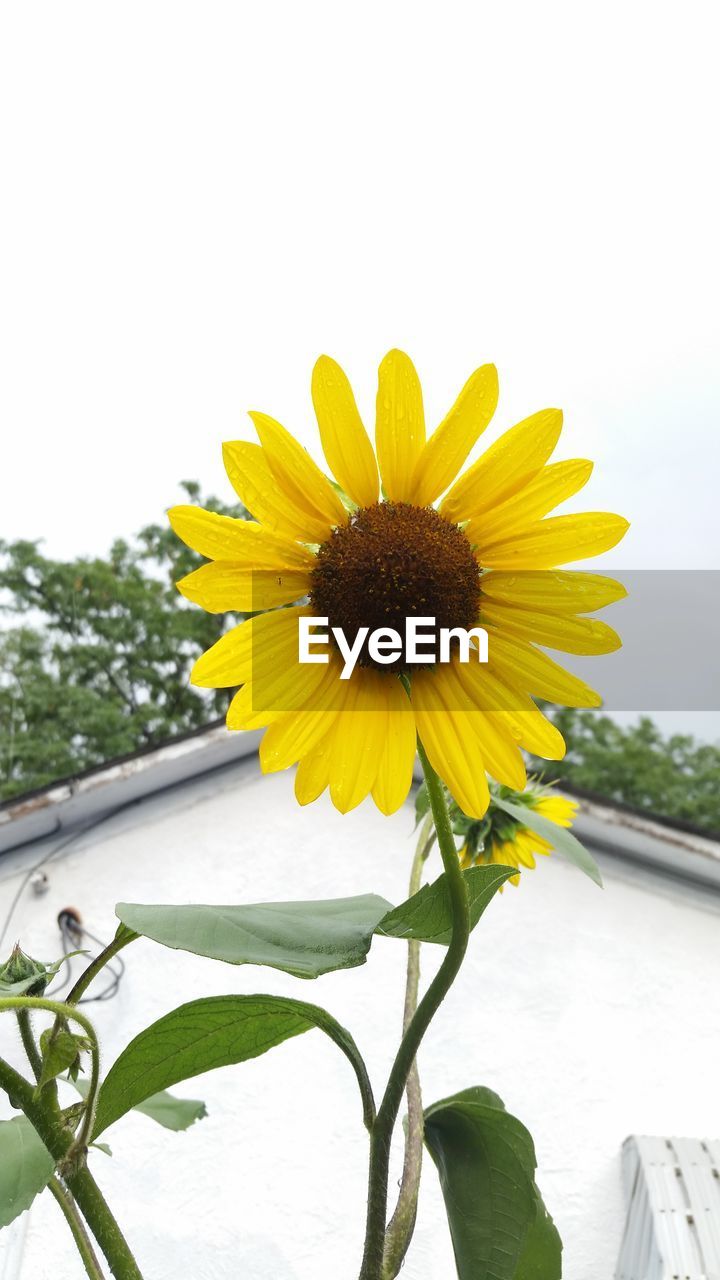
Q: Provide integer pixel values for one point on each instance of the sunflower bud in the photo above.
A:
(23, 974)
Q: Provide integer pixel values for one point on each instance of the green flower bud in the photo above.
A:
(21, 975)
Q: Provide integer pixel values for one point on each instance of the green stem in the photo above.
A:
(81, 1184)
(121, 939)
(402, 1224)
(77, 1227)
(62, 1011)
(28, 1039)
(387, 1114)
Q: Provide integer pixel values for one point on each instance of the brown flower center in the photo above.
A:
(393, 561)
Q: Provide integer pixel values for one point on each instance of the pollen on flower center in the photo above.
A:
(394, 561)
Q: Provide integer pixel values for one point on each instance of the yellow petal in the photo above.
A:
(559, 540)
(242, 541)
(345, 441)
(313, 772)
(535, 843)
(555, 630)
(520, 664)
(257, 488)
(257, 645)
(552, 590)
(524, 851)
(297, 474)
(289, 687)
(505, 854)
(395, 767)
(358, 739)
(451, 442)
(499, 748)
(400, 425)
(505, 467)
(558, 809)
(452, 747)
(551, 486)
(292, 735)
(225, 663)
(283, 691)
(242, 714)
(514, 711)
(224, 587)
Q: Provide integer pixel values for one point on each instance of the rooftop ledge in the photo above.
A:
(671, 849)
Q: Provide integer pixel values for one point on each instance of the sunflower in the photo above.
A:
(398, 535)
(507, 841)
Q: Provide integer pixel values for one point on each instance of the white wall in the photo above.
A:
(593, 1014)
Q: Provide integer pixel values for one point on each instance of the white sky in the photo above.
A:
(199, 199)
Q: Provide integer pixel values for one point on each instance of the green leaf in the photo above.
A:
(559, 837)
(541, 1258)
(209, 1033)
(305, 939)
(427, 916)
(61, 1050)
(26, 1167)
(486, 1161)
(171, 1112)
(347, 502)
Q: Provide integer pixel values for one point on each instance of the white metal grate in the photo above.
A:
(672, 1229)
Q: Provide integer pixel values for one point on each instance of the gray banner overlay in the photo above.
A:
(669, 624)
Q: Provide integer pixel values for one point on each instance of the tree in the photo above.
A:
(100, 667)
(676, 777)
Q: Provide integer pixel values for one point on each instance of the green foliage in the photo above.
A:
(637, 765)
(163, 1107)
(541, 1256)
(101, 666)
(26, 1167)
(486, 1161)
(427, 916)
(301, 938)
(61, 1050)
(307, 939)
(508, 811)
(559, 837)
(173, 1113)
(23, 976)
(204, 1034)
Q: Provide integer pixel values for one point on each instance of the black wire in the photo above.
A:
(52, 853)
(89, 826)
(54, 991)
(116, 967)
(26, 880)
(73, 939)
